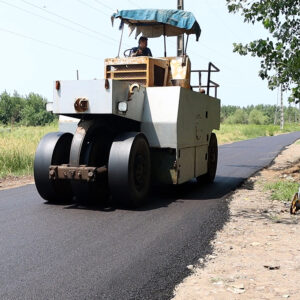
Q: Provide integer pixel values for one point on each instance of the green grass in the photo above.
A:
(229, 133)
(17, 148)
(282, 190)
(18, 144)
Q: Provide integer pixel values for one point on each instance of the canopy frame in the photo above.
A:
(154, 23)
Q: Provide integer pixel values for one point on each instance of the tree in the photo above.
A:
(34, 113)
(227, 110)
(239, 117)
(30, 111)
(5, 108)
(257, 117)
(10, 108)
(18, 104)
(280, 54)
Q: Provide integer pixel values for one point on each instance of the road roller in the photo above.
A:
(143, 124)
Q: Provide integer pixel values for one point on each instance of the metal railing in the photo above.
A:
(210, 83)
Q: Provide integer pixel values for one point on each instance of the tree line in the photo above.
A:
(259, 114)
(27, 110)
(31, 111)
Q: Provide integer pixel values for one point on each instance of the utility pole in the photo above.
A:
(275, 116)
(276, 109)
(281, 109)
(180, 38)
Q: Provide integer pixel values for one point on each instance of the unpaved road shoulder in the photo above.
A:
(257, 253)
(13, 182)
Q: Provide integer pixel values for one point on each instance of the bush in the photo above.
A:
(239, 117)
(253, 131)
(257, 117)
(272, 130)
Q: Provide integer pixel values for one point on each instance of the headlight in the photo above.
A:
(122, 106)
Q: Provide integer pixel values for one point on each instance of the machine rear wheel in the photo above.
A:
(212, 161)
(53, 149)
(129, 169)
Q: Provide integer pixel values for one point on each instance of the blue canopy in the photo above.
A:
(157, 22)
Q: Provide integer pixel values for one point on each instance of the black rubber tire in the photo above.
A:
(129, 169)
(53, 149)
(212, 161)
(95, 153)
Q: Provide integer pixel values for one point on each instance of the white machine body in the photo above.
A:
(176, 121)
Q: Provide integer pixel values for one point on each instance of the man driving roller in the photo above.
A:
(142, 49)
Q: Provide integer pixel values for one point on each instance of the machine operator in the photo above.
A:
(142, 49)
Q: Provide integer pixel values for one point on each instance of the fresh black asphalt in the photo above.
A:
(72, 252)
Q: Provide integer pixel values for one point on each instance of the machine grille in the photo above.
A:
(132, 73)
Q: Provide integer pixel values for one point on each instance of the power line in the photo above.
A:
(104, 5)
(133, 3)
(78, 24)
(92, 7)
(96, 9)
(68, 20)
(48, 44)
(52, 21)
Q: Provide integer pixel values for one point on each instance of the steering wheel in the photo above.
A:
(125, 52)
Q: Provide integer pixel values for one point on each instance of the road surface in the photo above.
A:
(71, 252)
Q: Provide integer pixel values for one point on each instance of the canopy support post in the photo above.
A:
(187, 40)
(165, 46)
(180, 38)
(184, 54)
(120, 41)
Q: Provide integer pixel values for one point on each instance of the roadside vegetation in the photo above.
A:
(30, 110)
(229, 133)
(282, 190)
(24, 121)
(242, 123)
(17, 148)
(258, 115)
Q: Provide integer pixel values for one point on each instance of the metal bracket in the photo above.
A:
(83, 172)
(77, 142)
(131, 90)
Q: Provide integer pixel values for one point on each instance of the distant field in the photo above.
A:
(18, 144)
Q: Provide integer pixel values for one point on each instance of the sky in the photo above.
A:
(47, 40)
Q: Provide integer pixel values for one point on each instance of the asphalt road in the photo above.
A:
(71, 252)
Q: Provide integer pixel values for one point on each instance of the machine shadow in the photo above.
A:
(191, 190)
(163, 196)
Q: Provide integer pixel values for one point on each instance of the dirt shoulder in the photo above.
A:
(257, 253)
(15, 181)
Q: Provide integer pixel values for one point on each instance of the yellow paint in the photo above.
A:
(174, 70)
